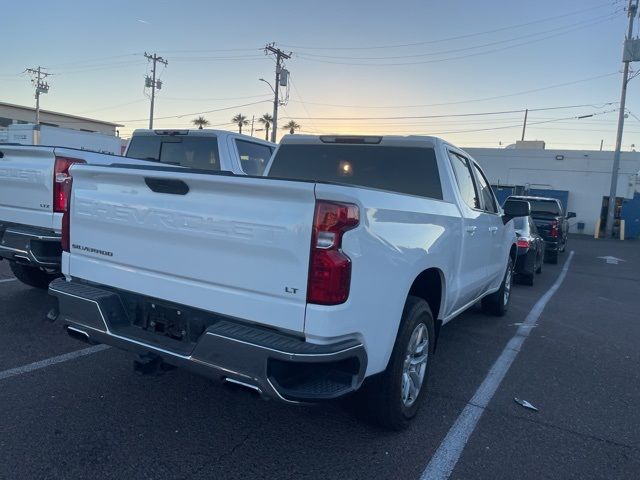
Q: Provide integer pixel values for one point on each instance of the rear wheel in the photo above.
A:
(540, 262)
(33, 276)
(527, 279)
(498, 302)
(393, 397)
(551, 257)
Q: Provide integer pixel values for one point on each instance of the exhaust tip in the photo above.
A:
(237, 383)
(78, 334)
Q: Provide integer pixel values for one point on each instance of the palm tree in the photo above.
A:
(200, 122)
(292, 126)
(241, 121)
(266, 120)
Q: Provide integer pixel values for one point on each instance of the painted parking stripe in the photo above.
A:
(12, 372)
(444, 460)
(5, 280)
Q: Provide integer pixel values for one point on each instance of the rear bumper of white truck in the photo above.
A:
(31, 246)
(275, 364)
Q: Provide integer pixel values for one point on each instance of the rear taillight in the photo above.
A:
(329, 267)
(523, 243)
(60, 177)
(554, 229)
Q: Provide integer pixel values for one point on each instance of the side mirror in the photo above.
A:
(515, 208)
(571, 215)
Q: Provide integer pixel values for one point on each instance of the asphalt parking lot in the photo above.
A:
(92, 416)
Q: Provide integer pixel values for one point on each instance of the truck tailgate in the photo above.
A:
(235, 246)
(26, 185)
(544, 226)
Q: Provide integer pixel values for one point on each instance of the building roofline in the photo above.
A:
(87, 119)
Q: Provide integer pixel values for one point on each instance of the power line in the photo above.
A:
(502, 112)
(518, 125)
(464, 49)
(457, 37)
(496, 97)
(459, 57)
(204, 99)
(93, 60)
(196, 113)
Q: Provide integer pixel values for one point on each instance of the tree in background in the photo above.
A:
(266, 120)
(241, 121)
(292, 126)
(200, 122)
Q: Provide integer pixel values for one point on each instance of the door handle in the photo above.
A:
(493, 229)
(471, 230)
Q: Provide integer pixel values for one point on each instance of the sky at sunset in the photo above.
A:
(462, 70)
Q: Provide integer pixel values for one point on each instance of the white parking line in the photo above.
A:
(5, 280)
(12, 372)
(449, 451)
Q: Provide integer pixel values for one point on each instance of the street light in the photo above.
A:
(274, 118)
(263, 80)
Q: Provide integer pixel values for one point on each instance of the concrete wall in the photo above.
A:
(26, 114)
(585, 174)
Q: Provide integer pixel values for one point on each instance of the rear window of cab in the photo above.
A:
(407, 170)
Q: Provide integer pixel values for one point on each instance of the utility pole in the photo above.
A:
(524, 125)
(280, 55)
(601, 144)
(253, 119)
(152, 83)
(632, 9)
(37, 79)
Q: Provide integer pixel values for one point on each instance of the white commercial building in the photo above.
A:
(581, 178)
(16, 114)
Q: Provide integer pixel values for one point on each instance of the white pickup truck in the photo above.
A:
(32, 178)
(338, 267)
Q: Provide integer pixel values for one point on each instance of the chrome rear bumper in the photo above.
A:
(277, 365)
(30, 246)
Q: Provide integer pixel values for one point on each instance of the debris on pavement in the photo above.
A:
(525, 404)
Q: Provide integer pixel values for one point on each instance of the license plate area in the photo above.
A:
(168, 321)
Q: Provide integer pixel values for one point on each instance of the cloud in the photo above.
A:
(144, 21)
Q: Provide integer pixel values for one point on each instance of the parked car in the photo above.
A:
(33, 194)
(334, 273)
(551, 222)
(531, 250)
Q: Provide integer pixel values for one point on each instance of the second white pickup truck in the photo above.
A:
(333, 274)
(32, 178)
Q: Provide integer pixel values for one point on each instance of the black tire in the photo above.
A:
(539, 269)
(381, 396)
(498, 302)
(551, 257)
(527, 279)
(33, 276)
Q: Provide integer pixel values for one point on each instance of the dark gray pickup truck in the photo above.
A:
(551, 222)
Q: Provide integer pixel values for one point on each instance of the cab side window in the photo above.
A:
(464, 179)
(488, 198)
(253, 157)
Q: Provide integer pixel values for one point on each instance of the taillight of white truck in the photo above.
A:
(60, 177)
(62, 194)
(329, 267)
